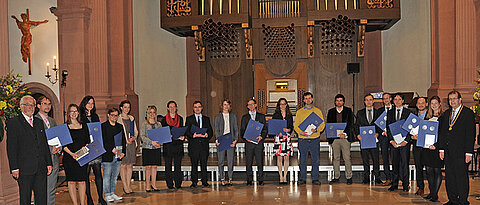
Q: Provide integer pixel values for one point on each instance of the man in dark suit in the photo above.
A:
(198, 143)
(340, 114)
(44, 106)
(367, 117)
(455, 144)
(421, 111)
(252, 149)
(28, 153)
(400, 151)
(385, 145)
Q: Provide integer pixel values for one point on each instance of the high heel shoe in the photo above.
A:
(223, 182)
(154, 189)
(126, 192)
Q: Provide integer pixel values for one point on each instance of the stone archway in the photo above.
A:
(40, 88)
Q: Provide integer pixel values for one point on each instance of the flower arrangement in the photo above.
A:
(476, 98)
(11, 90)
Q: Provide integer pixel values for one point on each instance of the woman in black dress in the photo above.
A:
(283, 143)
(173, 151)
(87, 115)
(151, 152)
(431, 157)
(76, 174)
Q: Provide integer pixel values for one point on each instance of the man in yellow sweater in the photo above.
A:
(308, 141)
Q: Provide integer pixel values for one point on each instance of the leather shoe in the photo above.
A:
(301, 182)
(366, 181)
(433, 200)
(405, 189)
(249, 183)
(392, 188)
(378, 182)
(260, 183)
(349, 181)
(427, 197)
(193, 185)
(388, 182)
(316, 182)
(449, 203)
(334, 181)
(419, 192)
(205, 184)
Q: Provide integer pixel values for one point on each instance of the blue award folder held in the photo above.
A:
(381, 121)
(95, 130)
(398, 133)
(225, 141)
(132, 128)
(427, 133)
(161, 134)
(275, 126)
(198, 130)
(311, 122)
(334, 129)
(95, 149)
(118, 139)
(368, 137)
(411, 124)
(254, 129)
(177, 132)
(58, 135)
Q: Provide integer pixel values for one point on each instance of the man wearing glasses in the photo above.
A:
(385, 145)
(455, 144)
(28, 153)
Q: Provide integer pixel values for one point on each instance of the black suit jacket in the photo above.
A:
(461, 138)
(382, 109)
(259, 117)
(27, 146)
(198, 142)
(391, 119)
(288, 118)
(347, 116)
(362, 121)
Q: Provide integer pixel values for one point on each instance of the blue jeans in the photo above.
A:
(110, 174)
(311, 146)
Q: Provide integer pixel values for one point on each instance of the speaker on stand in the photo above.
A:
(353, 68)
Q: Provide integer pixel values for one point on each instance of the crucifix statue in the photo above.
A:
(24, 27)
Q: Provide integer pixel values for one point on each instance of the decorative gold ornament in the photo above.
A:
(178, 8)
(379, 4)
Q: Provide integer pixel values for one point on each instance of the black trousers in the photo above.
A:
(400, 158)
(97, 171)
(456, 178)
(199, 153)
(434, 177)
(366, 155)
(417, 156)
(256, 150)
(173, 153)
(36, 182)
(386, 151)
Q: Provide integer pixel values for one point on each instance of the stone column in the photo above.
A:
(193, 76)
(372, 63)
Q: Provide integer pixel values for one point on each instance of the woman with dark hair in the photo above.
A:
(283, 143)
(151, 152)
(431, 156)
(130, 158)
(87, 115)
(76, 175)
(226, 122)
(173, 151)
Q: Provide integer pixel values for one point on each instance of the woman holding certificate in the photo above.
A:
(151, 152)
(226, 122)
(431, 157)
(76, 175)
(173, 151)
(283, 143)
(129, 127)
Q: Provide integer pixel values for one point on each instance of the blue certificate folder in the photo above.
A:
(95, 149)
(59, 134)
(275, 126)
(198, 130)
(132, 128)
(368, 137)
(427, 133)
(381, 121)
(177, 132)
(95, 130)
(398, 133)
(225, 141)
(254, 129)
(118, 139)
(314, 119)
(332, 129)
(161, 134)
(412, 123)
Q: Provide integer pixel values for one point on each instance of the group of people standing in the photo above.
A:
(36, 167)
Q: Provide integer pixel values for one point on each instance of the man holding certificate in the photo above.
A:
(422, 106)
(341, 114)
(455, 143)
(199, 133)
(254, 148)
(366, 117)
(309, 138)
(385, 145)
(400, 151)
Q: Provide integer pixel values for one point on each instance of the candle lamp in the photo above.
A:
(55, 70)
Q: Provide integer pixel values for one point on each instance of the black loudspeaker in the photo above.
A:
(353, 68)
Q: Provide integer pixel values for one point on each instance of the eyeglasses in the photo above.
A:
(451, 99)
(46, 103)
(73, 111)
(112, 115)
(28, 105)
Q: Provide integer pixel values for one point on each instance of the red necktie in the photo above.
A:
(30, 120)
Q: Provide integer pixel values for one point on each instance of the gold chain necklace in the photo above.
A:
(455, 120)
